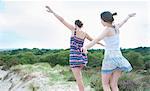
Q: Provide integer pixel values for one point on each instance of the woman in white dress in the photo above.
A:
(113, 63)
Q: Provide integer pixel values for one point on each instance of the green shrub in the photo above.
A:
(134, 82)
(147, 65)
(95, 59)
(95, 82)
(135, 59)
(1, 63)
(144, 82)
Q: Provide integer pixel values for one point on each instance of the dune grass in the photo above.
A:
(133, 81)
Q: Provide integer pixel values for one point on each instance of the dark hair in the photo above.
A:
(108, 16)
(78, 23)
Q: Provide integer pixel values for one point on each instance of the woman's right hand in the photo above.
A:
(49, 9)
(84, 50)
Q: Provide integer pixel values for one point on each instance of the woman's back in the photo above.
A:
(112, 41)
(79, 34)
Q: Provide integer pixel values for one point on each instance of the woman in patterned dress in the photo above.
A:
(113, 63)
(77, 58)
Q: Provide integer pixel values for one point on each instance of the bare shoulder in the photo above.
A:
(85, 34)
(107, 30)
(82, 32)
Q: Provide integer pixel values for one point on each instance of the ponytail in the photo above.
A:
(114, 13)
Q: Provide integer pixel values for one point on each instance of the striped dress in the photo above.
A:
(77, 58)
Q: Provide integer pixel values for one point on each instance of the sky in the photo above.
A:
(26, 24)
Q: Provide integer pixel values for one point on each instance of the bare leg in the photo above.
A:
(78, 77)
(114, 80)
(106, 81)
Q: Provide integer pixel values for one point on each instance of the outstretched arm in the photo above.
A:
(100, 37)
(126, 19)
(90, 39)
(61, 19)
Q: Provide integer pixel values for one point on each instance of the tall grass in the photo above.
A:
(134, 81)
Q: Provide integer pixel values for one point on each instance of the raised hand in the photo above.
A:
(132, 14)
(49, 9)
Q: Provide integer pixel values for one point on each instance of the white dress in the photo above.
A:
(113, 58)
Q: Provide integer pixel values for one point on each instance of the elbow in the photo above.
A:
(90, 39)
(96, 41)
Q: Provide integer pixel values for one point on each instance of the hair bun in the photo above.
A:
(114, 14)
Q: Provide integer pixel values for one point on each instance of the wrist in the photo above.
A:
(129, 16)
(53, 12)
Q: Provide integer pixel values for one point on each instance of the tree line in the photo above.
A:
(138, 57)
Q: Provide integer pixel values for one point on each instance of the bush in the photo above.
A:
(27, 58)
(95, 59)
(134, 82)
(61, 58)
(1, 63)
(146, 58)
(147, 65)
(136, 60)
(128, 85)
(144, 82)
(95, 82)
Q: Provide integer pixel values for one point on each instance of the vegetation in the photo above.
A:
(137, 80)
(138, 57)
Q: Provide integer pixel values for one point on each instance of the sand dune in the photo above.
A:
(36, 81)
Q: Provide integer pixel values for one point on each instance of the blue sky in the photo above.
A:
(26, 24)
